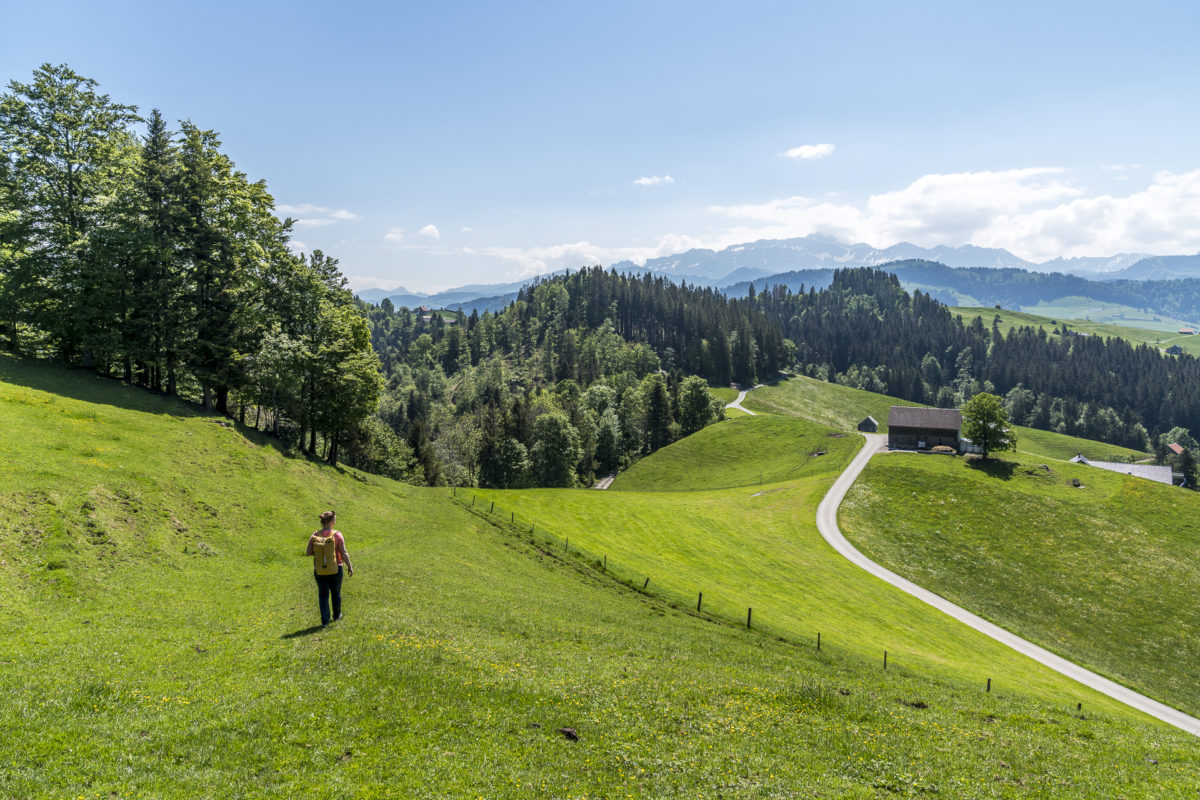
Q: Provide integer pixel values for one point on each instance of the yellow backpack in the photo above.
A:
(325, 554)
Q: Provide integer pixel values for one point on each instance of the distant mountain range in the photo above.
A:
(812, 258)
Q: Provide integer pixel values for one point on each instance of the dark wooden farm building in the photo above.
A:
(911, 428)
(868, 425)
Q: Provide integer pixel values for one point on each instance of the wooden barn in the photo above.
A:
(868, 425)
(911, 428)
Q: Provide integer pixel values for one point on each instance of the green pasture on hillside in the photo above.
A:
(1137, 330)
(758, 547)
(1106, 574)
(748, 450)
(842, 407)
(157, 639)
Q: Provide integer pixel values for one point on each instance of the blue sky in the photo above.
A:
(431, 145)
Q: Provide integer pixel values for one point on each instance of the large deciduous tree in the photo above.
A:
(985, 423)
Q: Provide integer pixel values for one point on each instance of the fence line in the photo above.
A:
(671, 597)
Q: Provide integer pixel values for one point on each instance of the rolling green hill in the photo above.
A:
(157, 639)
(1106, 574)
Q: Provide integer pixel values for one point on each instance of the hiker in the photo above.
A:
(328, 549)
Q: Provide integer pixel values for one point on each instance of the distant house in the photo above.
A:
(912, 428)
(1149, 472)
(1188, 331)
(1174, 350)
(1176, 448)
(868, 425)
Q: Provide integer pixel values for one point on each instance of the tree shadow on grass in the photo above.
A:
(303, 632)
(993, 467)
(86, 385)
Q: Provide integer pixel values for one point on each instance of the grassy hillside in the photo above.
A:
(157, 640)
(741, 452)
(1106, 574)
(1135, 329)
(842, 407)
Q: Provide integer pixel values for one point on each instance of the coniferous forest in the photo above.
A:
(137, 249)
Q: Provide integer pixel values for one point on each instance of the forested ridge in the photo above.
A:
(866, 331)
(579, 376)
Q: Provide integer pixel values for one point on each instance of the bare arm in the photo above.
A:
(309, 551)
(345, 555)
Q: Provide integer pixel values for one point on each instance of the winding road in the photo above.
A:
(738, 403)
(827, 525)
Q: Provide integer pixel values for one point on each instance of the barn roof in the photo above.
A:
(915, 417)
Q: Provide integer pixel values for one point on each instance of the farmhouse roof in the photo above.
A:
(869, 418)
(1176, 448)
(933, 418)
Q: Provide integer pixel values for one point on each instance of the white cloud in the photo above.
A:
(431, 231)
(395, 235)
(537, 260)
(466, 230)
(1036, 213)
(298, 247)
(809, 151)
(654, 180)
(308, 215)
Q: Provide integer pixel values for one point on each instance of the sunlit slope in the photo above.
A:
(741, 452)
(758, 547)
(1139, 327)
(1106, 574)
(842, 407)
(156, 640)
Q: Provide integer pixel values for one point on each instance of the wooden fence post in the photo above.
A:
(749, 611)
(699, 600)
(818, 642)
(885, 660)
(647, 583)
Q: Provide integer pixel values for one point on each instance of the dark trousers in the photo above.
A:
(329, 585)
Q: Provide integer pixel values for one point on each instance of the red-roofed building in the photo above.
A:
(1177, 449)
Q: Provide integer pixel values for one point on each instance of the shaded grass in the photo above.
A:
(1106, 575)
(156, 639)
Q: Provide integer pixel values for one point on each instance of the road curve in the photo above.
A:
(827, 525)
(738, 403)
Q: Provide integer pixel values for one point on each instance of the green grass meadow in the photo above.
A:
(1106, 574)
(1138, 328)
(158, 637)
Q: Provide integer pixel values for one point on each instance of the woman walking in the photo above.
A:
(328, 549)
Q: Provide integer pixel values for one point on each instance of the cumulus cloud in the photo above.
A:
(808, 151)
(431, 231)
(654, 180)
(308, 215)
(395, 235)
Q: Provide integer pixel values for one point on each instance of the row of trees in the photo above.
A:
(152, 258)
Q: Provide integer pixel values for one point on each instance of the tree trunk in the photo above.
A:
(257, 415)
(333, 450)
(172, 386)
(312, 440)
(207, 393)
(223, 400)
(242, 413)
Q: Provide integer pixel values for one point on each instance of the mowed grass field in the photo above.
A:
(1106, 575)
(843, 407)
(157, 639)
